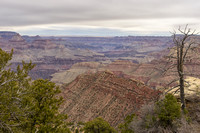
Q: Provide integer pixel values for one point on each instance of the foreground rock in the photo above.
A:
(106, 95)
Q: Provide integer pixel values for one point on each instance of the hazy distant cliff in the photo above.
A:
(53, 54)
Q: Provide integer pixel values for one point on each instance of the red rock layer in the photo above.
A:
(106, 95)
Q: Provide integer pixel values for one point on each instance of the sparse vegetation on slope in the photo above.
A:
(165, 116)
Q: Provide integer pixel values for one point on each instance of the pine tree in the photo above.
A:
(26, 105)
(44, 105)
(13, 86)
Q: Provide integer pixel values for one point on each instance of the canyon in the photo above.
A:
(110, 77)
(54, 54)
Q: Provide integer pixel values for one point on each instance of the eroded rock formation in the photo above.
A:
(104, 94)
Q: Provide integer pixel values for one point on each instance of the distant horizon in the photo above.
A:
(85, 35)
(92, 33)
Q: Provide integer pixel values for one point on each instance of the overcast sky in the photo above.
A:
(98, 17)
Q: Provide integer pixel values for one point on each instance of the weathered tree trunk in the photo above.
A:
(181, 75)
(182, 94)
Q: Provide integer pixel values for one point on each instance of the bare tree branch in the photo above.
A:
(183, 44)
(172, 88)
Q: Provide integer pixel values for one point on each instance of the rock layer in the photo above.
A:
(104, 94)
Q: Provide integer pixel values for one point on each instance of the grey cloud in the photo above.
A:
(35, 12)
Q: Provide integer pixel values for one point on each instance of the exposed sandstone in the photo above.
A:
(192, 91)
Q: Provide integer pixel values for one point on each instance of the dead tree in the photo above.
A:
(183, 44)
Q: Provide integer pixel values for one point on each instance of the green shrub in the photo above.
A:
(168, 110)
(164, 116)
(125, 127)
(98, 125)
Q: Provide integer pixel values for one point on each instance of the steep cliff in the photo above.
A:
(104, 94)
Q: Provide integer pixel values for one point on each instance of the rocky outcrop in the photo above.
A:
(122, 68)
(191, 90)
(7, 35)
(64, 77)
(43, 44)
(104, 94)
